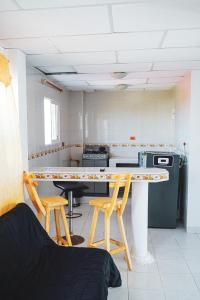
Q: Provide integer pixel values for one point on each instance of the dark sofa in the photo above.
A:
(33, 267)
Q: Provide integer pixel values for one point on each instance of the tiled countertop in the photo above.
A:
(94, 174)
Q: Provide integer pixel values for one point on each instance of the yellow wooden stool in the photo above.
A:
(44, 206)
(107, 206)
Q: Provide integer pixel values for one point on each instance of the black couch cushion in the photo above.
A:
(33, 267)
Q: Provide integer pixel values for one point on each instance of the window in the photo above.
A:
(51, 122)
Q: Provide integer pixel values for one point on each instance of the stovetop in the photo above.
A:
(95, 155)
(96, 152)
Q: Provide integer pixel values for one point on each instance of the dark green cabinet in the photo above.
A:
(96, 188)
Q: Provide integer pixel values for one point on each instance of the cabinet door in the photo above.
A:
(88, 162)
(101, 187)
(90, 185)
(101, 163)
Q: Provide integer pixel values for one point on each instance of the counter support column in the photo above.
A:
(139, 215)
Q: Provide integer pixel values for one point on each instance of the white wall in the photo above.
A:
(112, 117)
(193, 207)
(18, 71)
(182, 131)
(187, 130)
(36, 142)
(182, 123)
(76, 112)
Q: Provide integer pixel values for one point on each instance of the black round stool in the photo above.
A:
(72, 190)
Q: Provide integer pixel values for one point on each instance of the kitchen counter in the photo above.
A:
(94, 174)
(139, 199)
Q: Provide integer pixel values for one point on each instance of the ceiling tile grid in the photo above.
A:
(155, 42)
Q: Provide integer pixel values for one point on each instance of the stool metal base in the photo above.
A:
(76, 239)
(73, 215)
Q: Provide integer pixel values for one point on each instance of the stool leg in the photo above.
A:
(107, 232)
(66, 228)
(70, 211)
(123, 234)
(93, 226)
(47, 220)
(39, 216)
(57, 223)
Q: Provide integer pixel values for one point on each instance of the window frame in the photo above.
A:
(53, 141)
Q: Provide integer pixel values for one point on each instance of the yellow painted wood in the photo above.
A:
(107, 231)
(108, 205)
(97, 243)
(5, 76)
(39, 216)
(66, 227)
(47, 220)
(57, 222)
(53, 201)
(123, 235)
(117, 250)
(11, 174)
(93, 226)
(44, 205)
(31, 189)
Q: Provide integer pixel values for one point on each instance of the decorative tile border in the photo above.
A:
(97, 177)
(48, 151)
(110, 145)
(130, 145)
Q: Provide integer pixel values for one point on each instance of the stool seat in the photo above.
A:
(104, 203)
(53, 201)
(69, 186)
(72, 189)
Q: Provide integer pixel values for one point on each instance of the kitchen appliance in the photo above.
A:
(96, 156)
(163, 196)
(123, 162)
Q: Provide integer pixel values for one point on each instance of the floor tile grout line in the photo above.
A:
(193, 276)
(156, 262)
(85, 221)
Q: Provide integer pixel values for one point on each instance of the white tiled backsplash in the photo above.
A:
(116, 117)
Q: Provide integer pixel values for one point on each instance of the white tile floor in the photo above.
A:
(175, 274)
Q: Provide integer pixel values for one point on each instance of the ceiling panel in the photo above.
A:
(157, 85)
(103, 87)
(65, 77)
(108, 76)
(164, 80)
(53, 69)
(8, 5)
(76, 88)
(134, 88)
(30, 4)
(158, 88)
(106, 42)
(116, 82)
(72, 59)
(173, 54)
(52, 22)
(114, 68)
(155, 74)
(177, 65)
(155, 15)
(96, 77)
(30, 46)
(182, 38)
(74, 83)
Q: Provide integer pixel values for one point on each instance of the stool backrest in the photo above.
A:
(31, 189)
(120, 180)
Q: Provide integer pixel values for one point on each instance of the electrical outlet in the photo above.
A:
(132, 138)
